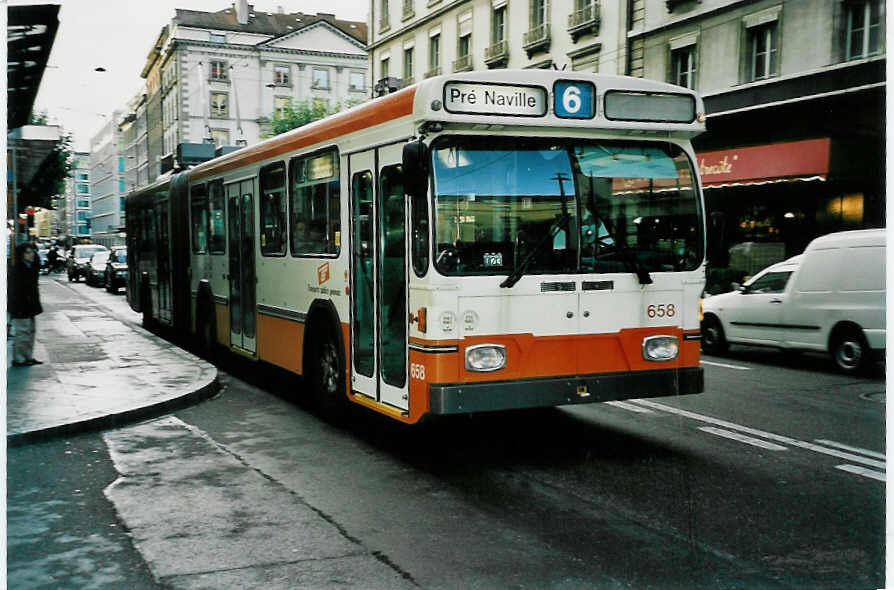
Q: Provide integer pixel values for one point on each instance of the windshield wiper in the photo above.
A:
(558, 225)
(631, 263)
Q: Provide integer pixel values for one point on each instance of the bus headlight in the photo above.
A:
(660, 348)
(485, 357)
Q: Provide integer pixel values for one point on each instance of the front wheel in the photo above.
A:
(713, 339)
(325, 375)
(850, 351)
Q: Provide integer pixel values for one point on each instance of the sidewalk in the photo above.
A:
(100, 370)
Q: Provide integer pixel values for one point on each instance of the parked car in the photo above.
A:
(79, 259)
(829, 299)
(96, 268)
(116, 269)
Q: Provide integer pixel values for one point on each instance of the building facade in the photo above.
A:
(107, 184)
(794, 92)
(222, 76)
(77, 198)
(415, 39)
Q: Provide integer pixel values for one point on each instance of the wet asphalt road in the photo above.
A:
(768, 480)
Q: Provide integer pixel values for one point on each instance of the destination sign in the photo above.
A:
(494, 99)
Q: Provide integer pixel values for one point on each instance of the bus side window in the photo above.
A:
(217, 229)
(198, 203)
(273, 210)
(314, 204)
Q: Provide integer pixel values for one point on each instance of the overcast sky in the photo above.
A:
(117, 35)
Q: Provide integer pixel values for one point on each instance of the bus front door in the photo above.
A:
(379, 277)
(241, 254)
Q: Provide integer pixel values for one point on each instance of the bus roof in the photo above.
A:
(499, 99)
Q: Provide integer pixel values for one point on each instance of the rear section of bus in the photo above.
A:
(557, 244)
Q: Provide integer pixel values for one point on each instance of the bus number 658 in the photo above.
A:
(661, 310)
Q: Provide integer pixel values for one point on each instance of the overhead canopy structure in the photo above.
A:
(30, 33)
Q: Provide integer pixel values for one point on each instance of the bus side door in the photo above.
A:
(379, 277)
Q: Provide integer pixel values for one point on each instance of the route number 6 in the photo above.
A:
(571, 100)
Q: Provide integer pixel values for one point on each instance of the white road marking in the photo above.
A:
(863, 471)
(724, 365)
(763, 434)
(630, 407)
(838, 445)
(744, 439)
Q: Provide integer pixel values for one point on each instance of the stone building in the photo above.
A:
(795, 94)
(221, 76)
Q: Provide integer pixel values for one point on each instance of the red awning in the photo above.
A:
(778, 162)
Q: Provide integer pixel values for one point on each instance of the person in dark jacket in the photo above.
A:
(24, 304)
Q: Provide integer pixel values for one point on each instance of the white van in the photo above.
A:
(831, 299)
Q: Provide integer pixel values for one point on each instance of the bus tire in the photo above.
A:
(206, 333)
(325, 374)
(148, 321)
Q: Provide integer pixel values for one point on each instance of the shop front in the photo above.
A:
(767, 202)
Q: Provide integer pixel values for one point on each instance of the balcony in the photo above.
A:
(435, 71)
(409, 10)
(537, 39)
(463, 64)
(497, 55)
(584, 22)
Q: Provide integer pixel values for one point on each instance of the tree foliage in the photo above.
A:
(301, 112)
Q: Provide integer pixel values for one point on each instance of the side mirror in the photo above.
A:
(738, 287)
(416, 166)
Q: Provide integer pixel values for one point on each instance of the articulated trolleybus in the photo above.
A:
(476, 242)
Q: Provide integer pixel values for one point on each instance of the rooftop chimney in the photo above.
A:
(242, 12)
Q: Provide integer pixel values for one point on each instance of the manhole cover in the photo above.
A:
(874, 397)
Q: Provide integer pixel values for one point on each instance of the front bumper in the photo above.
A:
(557, 391)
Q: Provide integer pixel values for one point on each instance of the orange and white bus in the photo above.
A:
(475, 242)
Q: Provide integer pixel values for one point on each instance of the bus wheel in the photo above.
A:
(207, 332)
(325, 375)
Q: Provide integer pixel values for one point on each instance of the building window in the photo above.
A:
(218, 38)
(122, 204)
(464, 46)
(281, 76)
(358, 81)
(122, 186)
(83, 188)
(385, 67)
(320, 79)
(218, 70)
(280, 106)
(538, 13)
(220, 137)
(219, 103)
(762, 51)
(83, 176)
(498, 34)
(434, 54)
(864, 28)
(683, 66)
(82, 216)
(408, 65)
(384, 18)
(120, 164)
(84, 204)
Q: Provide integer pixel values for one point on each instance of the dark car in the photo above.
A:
(96, 268)
(116, 270)
(79, 259)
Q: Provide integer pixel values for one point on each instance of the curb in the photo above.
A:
(206, 391)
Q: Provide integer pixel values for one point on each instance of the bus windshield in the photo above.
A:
(542, 206)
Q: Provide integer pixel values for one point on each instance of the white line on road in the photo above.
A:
(838, 445)
(863, 471)
(724, 365)
(630, 407)
(744, 439)
(763, 434)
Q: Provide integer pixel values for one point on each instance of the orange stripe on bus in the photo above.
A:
(373, 113)
(279, 342)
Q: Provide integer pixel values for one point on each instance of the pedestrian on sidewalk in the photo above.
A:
(24, 304)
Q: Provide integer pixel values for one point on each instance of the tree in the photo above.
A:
(301, 112)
